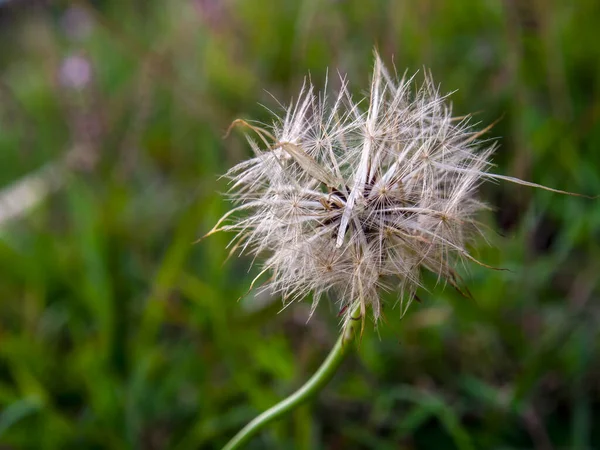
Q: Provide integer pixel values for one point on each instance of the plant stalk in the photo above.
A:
(310, 388)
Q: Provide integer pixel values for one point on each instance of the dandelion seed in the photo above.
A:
(358, 201)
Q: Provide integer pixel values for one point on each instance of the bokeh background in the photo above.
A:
(117, 332)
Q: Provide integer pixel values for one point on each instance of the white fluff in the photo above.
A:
(355, 197)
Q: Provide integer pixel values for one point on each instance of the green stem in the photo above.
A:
(310, 388)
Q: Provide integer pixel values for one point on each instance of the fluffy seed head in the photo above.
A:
(353, 197)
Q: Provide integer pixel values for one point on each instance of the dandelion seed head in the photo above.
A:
(355, 198)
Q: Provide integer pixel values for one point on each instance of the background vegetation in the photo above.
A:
(117, 332)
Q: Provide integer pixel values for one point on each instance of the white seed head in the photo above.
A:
(352, 198)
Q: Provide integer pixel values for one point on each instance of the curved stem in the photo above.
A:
(310, 388)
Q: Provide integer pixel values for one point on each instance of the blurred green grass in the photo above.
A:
(117, 332)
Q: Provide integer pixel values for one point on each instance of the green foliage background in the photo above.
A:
(117, 332)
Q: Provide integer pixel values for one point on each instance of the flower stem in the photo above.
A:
(310, 388)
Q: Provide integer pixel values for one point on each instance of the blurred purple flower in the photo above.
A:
(76, 23)
(75, 72)
(212, 12)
